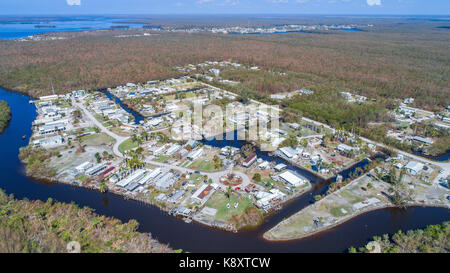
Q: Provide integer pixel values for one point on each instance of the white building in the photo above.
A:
(165, 182)
(214, 71)
(293, 179)
(96, 169)
(48, 142)
(83, 167)
(131, 178)
(52, 128)
(173, 149)
(48, 98)
(155, 121)
(288, 152)
(195, 154)
(280, 167)
(265, 198)
(414, 167)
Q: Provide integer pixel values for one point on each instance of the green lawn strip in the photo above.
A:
(161, 158)
(219, 201)
(203, 165)
(97, 139)
(128, 145)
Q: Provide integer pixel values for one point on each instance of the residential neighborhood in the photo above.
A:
(137, 141)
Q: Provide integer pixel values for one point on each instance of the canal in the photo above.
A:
(195, 237)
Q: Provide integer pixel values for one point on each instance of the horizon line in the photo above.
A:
(228, 14)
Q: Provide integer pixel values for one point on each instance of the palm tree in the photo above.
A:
(134, 138)
(139, 141)
(144, 135)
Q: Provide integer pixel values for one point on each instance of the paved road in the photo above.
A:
(119, 139)
(215, 176)
(444, 165)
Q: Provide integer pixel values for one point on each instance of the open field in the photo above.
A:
(219, 201)
(360, 196)
(97, 139)
(128, 145)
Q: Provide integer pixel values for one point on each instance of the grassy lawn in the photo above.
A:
(194, 178)
(190, 95)
(267, 182)
(127, 145)
(352, 198)
(99, 117)
(97, 139)
(337, 211)
(169, 97)
(81, 178)
(219, 201)
(184, 163)
(119, 131)
(204, 166)
(110, 123)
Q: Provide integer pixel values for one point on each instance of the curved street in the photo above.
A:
(215, 176)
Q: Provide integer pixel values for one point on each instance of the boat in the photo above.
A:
(24, 137)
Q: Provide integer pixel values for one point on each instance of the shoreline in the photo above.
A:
(44, 179)
(415, 203)
(223, 226)
(2, 130)
(346, 219)
(100, 89)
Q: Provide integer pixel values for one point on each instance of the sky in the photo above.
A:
(381, 7)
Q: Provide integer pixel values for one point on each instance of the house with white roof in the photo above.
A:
(414, 167)
(265, 198)
(293, 179)
(195, 154)
(48, 142)
(288, 152)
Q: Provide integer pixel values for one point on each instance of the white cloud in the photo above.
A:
(73, 2)
(204, 1)
(230, 3)
(373, 2)
(279, 1)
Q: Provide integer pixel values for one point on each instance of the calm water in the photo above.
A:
(137, 117)
(13, 30)
(442, 157)
(194, 237)
(349, 29)
(266, 33)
